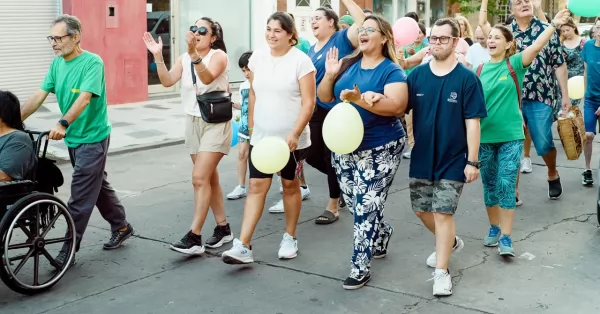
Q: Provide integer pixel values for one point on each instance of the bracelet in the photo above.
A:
(159, 62)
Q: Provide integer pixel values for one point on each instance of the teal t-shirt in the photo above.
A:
(303, 45)
(504, 122)
(67, 80)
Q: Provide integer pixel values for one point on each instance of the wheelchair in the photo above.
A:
(30, 214)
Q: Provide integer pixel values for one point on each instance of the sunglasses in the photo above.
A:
(200, 30)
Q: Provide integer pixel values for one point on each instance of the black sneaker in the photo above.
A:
(190, 244)
(61, 258)
(586, 178)
(118, 237)
(352, 283)
(382, 252)
(554, 189)
(221, 235)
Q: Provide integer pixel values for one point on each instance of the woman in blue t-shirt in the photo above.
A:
(327, 31)
(375, 84)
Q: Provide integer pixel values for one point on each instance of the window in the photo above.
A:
(164, 27)
(326, 3)
(503, 7)
(303, 3)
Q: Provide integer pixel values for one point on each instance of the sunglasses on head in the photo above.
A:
(200, 30)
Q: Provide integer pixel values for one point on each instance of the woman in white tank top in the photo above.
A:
(207, 142)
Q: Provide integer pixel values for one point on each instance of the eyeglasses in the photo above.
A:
(200, 30)
(368, 30)
(57, 39)
(315, 18)
(441, 39)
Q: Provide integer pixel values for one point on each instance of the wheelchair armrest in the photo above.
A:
(19, 188)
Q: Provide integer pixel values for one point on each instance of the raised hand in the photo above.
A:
(332, 64)
(190, 39)
(561, 17)
(153, 46)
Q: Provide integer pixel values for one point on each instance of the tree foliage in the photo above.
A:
(472, 6)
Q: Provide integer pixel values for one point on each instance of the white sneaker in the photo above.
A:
(288, 248)
(238, 254)
(442, 284)
(237, 193)
(277, 208)
(526, 165)
(406, 155)
(432, 261)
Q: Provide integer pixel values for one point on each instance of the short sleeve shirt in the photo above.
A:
(504, 122)
(591, 56)
(540, 81)
(17, 155)
(67, 80)
(340, 41)
(244, 93)
(276, 86)
(440, 105)
(379, 130)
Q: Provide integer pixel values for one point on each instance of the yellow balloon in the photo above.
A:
(270, 155)
(343, 129)
(576, 87)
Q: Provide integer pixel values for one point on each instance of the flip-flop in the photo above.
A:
(326, 218)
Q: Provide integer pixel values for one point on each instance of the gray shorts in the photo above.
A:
(435, 197)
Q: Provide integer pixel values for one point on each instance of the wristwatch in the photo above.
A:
(476, 164)
(64, 123)
(197, 61)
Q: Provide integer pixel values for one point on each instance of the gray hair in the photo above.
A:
(73, 24)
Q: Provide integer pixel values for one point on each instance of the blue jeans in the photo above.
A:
(538, 118)
(589, 115)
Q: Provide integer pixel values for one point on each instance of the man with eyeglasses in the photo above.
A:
(478, 52)
(76, 77)
(447, 102)
(540, 85)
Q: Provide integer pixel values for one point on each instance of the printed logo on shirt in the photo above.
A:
(420, 95)
(503, 78)
(74, 90)
(453, 97)
(319, 57)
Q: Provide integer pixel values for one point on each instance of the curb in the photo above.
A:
(130, 149)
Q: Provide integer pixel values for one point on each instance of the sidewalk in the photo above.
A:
(135, 126)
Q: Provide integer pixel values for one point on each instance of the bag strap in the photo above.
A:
(515, 79)
(479, 68)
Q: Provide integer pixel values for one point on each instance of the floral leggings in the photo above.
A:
(365, 178)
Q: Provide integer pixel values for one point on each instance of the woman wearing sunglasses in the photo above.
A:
(281, 101)
(366, 174)
(206, 142)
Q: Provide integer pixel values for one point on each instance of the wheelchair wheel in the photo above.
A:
(32, 226)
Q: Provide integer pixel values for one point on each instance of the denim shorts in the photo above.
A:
(589, 115)
(500, 163)
(539, 118)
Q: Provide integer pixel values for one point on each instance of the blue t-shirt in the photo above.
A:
(379, 130)
(440, 105)
(591, 56)
(342, 43)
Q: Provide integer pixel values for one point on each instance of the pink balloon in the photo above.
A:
(406, 31)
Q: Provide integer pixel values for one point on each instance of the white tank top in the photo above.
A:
(188, 92)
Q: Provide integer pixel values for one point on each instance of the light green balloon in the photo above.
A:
(584, 8)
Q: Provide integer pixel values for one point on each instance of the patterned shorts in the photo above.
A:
(435, 197)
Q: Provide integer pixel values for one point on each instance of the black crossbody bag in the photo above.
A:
(215, 107)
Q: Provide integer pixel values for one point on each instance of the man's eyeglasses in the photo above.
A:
(441, 39)
(368, 30)
(57, 39)
(200, 30)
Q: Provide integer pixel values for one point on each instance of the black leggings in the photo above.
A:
(319, 156)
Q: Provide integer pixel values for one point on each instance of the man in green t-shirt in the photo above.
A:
(76, 77)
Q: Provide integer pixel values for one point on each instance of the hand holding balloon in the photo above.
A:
(351, 95)
(292, 141)
(561, 17)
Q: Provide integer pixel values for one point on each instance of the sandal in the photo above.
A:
(326, 218)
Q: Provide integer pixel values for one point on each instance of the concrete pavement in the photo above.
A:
(556, 269)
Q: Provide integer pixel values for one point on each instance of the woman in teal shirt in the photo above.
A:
(502, 131)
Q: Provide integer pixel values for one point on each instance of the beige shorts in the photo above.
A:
(207, 137)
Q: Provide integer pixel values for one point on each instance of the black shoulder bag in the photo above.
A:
(215, 107)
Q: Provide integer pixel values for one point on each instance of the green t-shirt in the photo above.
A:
(303, 45)
(504, 122)
(67, 80)
(406, 55)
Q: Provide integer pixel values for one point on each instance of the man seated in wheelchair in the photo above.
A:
(17, 153)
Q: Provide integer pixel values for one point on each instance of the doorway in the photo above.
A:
(160, 20)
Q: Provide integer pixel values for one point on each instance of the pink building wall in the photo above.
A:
(113, 29)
